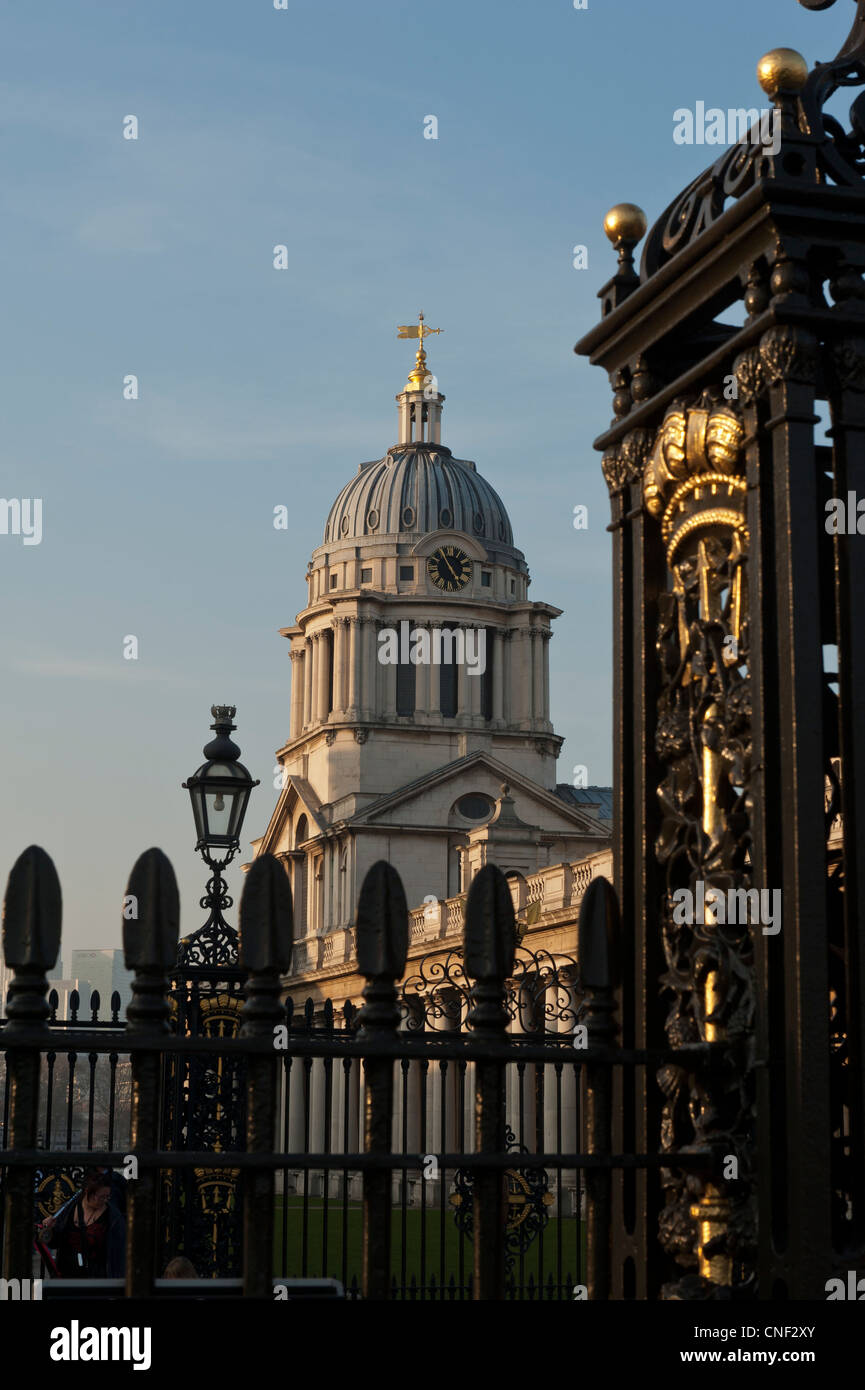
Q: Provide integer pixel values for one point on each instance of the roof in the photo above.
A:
(417, 489)
(598, 799)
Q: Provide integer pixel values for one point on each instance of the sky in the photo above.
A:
(258, 387)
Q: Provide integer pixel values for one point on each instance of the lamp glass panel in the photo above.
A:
(218, 801)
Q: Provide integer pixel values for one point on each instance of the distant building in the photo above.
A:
(103, 970)
(401, 745)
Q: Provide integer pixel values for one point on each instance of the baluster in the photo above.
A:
(382, 945)
(490, 942)
(598, 932)
(264, 946)
(150, 950)
(32, 913)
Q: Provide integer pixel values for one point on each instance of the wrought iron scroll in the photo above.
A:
(528, 1203)
(542, 994)
(814, 146)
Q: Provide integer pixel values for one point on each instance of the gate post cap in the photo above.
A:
(490, 926)
(382, 924)
(265, 917)
(150, 938)
(32, 912)
(598, 934)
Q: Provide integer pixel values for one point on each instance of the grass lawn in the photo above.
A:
(418, 1251)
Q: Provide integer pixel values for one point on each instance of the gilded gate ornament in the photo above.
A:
(695, 489)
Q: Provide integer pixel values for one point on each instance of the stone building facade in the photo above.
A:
(420, 727)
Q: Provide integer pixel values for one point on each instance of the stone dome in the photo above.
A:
(417, 489)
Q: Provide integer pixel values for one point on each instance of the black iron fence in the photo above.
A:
(448, 1140)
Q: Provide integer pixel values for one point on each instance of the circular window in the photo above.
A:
(372, 519)
(408, 516)
(446, 517)
(478, 523)
(502, 532)
(343, 526)
(474, 806)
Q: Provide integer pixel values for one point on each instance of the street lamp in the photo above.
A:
(219, 792)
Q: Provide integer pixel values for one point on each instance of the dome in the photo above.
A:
(418, 488)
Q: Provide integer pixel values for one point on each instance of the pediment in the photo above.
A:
(428, 800)
(296, 798)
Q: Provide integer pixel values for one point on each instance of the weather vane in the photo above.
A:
(419, 378)
(416, 330)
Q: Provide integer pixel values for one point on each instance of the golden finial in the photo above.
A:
(417, 379)
(625, 224)
(782, 69)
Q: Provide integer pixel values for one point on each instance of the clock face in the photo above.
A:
(449, 568)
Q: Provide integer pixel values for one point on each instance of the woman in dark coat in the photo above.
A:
(89, 1233)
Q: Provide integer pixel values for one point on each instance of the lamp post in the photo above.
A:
(219, 792)
(204, 1096)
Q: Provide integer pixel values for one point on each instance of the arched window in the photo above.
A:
(406, 684)
(328, 656)
(300, 876)
(448, 675)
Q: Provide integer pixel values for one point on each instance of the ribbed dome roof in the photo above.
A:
(418, 488)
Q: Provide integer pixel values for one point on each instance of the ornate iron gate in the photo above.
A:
(739, 723)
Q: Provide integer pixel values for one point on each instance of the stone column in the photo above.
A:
(475, 685)
(547, 636)
(368, 667)
(339, 646)
(296, 1092)
(538, 651)
(315, 682)
(422, 682)
(296, 693)
(496, 655)
(433, 680)
(353, 666)
(307, 683)
(521, 684)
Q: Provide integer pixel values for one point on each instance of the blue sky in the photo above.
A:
(258, 387)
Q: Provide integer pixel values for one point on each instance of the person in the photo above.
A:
(180, 1268)
(89, 1232)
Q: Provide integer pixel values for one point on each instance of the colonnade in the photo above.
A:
(336, 674)
(437, 1099)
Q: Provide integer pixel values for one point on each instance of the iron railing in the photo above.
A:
(404, 1158)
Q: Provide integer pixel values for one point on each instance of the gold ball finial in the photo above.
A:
(782, 69)
(625, 224)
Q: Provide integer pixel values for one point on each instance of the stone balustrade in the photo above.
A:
(549, 898)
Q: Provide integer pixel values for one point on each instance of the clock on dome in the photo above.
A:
(449, 568)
